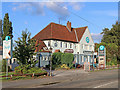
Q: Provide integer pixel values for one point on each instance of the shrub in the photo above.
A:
(4, 62)
(56, 59)
(67, 58)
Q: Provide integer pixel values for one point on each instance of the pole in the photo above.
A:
(51, 65)
(6, 68)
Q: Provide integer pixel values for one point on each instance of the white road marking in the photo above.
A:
(105, 84)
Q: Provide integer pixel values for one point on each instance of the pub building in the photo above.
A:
(66, 39)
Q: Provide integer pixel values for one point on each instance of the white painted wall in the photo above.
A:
(84, 43)
(62, 49)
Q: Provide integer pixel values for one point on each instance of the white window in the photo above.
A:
(48, 43)
(55, 44)
(43, 58)
(86, 47)
(66, 45)
(75, 45)
(70, 45)
(90, 47)
(46, 58)
(61, 44)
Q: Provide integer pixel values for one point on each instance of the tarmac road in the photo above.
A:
(70, 79)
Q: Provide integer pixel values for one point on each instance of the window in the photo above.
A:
(13, 60)
(86, 47)
(42, 57)
(10, 61)
(61, 44)
(75, 45)
(46, 58)
(55, 44)
(82, 46)
(48, 43)
(70, 45)
(90, 47)
(66, 45)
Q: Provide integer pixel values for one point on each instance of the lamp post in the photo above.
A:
(50, 61)
(93, 59)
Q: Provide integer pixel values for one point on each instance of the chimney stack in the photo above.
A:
(69, 26)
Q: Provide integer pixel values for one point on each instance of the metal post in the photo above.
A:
(6, 68)
(51, 65)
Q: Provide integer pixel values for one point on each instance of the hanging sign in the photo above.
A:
(7, 48)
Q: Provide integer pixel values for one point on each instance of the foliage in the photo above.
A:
(56, 59)
(67, 58)
(111, 41)
(7, 27)
(62, 58)
(4, 62)
(24, 50)
(24, 70)
(0, 32)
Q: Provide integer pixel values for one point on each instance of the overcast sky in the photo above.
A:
(36, 15)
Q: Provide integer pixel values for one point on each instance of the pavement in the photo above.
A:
(70, 79)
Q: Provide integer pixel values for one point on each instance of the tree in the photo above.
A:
(111, 39)
(7, 27)
(24, 49)
(0, 32)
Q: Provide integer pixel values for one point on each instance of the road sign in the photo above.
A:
(7, 49)
(102, 56)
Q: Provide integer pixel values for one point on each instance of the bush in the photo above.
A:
(67, 58)
(62, 58)
(26, 70)
(56, 59)
(4, 62)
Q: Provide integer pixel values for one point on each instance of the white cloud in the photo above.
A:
(96, 37)
(37, 8)
(76, 5)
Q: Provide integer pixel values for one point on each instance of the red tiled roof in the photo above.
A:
(40, 44)
(60, 32)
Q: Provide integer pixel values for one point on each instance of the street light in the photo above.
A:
(93, 59)
(50, 61)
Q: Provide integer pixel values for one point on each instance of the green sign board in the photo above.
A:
(87, 39)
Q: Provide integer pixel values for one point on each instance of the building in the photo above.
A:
(66, 39)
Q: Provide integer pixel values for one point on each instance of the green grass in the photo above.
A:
(16, 77)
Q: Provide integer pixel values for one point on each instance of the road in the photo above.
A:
(70, 79)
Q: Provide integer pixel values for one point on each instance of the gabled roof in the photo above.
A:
(60, 32)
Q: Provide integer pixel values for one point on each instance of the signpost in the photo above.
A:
(87, 66)
(102, 57)
(7, 51)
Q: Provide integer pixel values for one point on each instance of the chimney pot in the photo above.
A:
(69, 26)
